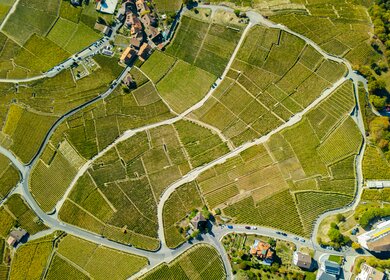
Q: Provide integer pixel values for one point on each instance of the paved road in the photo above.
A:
(10, 12)
(165, 254)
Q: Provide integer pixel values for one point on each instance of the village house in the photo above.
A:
(144, 52)
(15, 237)
(142, 6)
(199, 222)
(136, 42)
(262, 251)
(128, 56)
(369, 273)
(301, 260)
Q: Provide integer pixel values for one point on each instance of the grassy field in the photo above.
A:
(31, 16)
(275, 75)
(89, 132)
(118, 195)
(93, 259)
(199, 262)
(184, 86)
(9, 176)
(206, 45)
(176, 208)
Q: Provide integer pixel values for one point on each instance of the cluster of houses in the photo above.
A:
(137, 16)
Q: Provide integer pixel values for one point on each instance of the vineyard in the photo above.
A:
(184, 85)
(273, 81)
(62, 269)
(308, 164)
(205, 45)
(117, 197)
(312, 204)
(164, 61)
(94, 258)
(176, 208)
(30, 260)
(25, 141)
(340, 28)
(200, 262)
(24, 215)
(9, 176)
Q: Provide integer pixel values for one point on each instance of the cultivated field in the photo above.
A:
(31, 259)
(340, 28)
(118, 195)
(18, 127)
(9, 176)
(176, 208)
(157, 66)
(274, 76)
(71, 36)
(31, 16)
(206, 45)
(199, 262)
(305, 165)
(25, 217)
(92, 259)
(184, 85)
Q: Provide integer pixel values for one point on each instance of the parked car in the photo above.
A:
(303, 240)
(247, 227)
(296, 238)
(230, 226)
(254, 228)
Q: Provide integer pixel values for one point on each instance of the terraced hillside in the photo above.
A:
(303, 170)
(274, 76)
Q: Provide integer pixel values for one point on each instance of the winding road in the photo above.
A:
(164, 254)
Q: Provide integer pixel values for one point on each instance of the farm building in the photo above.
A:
(199, 222)
(375, 184)
(15, 236)
(302, 260)
(369, 273)
(262, 251)
(378, 239)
